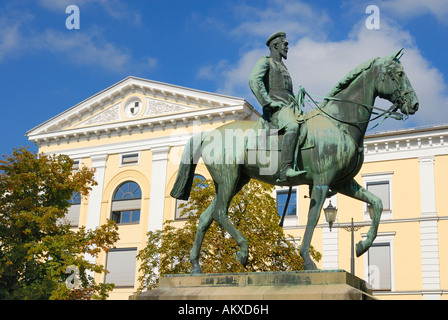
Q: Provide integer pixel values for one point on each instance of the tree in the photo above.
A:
(253, 211)
(37, 246)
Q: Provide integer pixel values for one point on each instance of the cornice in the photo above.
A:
(183, 120)
(408, 143)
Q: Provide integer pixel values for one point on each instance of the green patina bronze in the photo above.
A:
(327, 145)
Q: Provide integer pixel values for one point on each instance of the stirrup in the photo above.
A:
(290, 173)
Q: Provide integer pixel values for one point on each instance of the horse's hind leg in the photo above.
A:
(224, 194)
(205, 220)
(354, 190)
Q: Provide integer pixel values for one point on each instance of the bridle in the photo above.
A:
(398, 97)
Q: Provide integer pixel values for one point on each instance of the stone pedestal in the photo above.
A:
(294, 285)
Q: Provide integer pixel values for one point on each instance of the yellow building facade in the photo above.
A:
(133, 134)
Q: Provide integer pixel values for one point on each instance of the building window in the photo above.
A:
(382, 190)
(129, 159)
(200, 180)
(126, 203)
(380, 184)
(380, 267)
(75, 165)
(75, 199)
(121, 264)
(282, 196)
(74, 209)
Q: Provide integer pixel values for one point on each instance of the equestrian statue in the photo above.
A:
(322, 149)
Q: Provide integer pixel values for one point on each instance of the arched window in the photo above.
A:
(126, 203)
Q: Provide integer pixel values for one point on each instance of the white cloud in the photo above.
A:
(319, 65)
(85, 47)
(91, 49)
(296, 18)
(11, 38)
(413, 8)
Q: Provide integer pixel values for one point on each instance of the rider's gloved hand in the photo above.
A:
(276, 105)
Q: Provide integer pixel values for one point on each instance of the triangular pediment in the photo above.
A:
(136, 102)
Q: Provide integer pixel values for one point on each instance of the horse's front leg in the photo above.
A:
(354, 190)
(205, 220)
(318, 194)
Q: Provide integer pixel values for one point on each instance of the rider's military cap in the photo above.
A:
(276, 35)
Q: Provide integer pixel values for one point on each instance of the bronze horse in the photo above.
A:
(331, 152)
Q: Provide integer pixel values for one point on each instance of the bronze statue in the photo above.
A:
(272, 86)
(332, 157)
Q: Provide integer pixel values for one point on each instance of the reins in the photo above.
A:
(389, 113)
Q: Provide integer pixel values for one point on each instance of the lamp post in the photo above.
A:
(330, 216)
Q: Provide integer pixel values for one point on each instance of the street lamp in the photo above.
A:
(330, 214)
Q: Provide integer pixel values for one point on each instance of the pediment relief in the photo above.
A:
(155, 108)
(132, 108)
(110, 115)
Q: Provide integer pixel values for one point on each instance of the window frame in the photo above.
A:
(132, 213)
(123, 156)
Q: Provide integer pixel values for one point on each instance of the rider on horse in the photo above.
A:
(272, 86)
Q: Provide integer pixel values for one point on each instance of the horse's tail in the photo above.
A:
(190, 156)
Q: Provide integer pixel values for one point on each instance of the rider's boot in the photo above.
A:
(287, 156)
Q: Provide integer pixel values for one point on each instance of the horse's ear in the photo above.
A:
(398, 54)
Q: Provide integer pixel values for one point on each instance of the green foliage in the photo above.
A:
(253, 211)
(36, 243)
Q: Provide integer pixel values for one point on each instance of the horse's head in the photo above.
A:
(395, 86)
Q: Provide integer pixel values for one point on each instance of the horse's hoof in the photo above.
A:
(196, 270)
(361, 248)
(310, 265)
(242, 258)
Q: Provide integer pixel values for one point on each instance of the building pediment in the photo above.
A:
(136, 103)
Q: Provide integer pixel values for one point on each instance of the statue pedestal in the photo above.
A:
(293, 285)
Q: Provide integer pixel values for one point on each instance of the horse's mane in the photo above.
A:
(350, 77)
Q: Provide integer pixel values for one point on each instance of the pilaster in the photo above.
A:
(96, 194)
(158, 186)
(429, 242)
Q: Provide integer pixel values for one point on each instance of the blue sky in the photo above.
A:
(207, 45)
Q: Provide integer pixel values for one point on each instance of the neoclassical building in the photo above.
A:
(133, 134)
